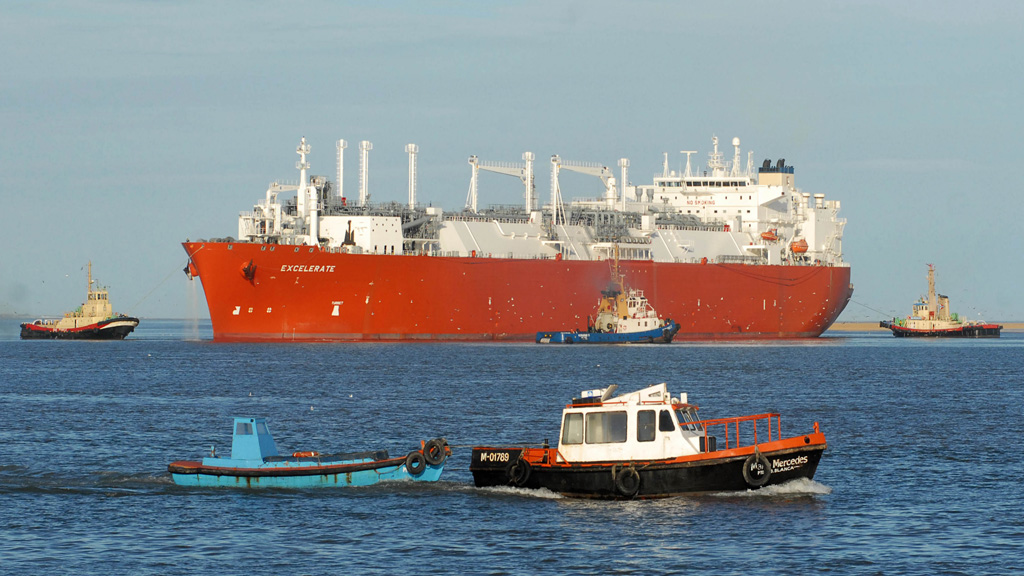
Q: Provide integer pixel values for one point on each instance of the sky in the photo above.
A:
(129, 127)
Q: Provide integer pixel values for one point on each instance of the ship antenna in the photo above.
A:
(688, 174)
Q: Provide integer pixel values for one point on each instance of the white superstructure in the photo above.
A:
(724, 212)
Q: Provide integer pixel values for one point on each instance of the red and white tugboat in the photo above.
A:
(932, 318)
(647, 444)
(93, 320)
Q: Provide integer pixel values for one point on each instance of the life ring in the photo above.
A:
(519, 472)
(627, 482)
(305, 454)
(757, 470)
(415, 463)
(434, 452)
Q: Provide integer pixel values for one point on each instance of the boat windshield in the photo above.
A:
(687, 417)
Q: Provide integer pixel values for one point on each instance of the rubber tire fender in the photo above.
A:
(415, 463)
(434, 451)
(750, 462)
(627, 482)
(519, 472)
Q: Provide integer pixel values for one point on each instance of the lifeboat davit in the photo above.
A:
(770, 235)
(798, 246)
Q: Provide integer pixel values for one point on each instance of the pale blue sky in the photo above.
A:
(127, 127)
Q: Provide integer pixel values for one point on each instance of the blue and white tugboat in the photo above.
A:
(255, 463)
(624, 316)
(648, 444)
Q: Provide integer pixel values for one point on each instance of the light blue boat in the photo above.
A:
(255, 463)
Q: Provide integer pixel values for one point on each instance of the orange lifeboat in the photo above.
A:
(770, 235)
(798, 246)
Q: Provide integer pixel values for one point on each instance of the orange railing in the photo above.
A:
(770, 425)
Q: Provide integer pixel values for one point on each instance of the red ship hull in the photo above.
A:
(282, 292)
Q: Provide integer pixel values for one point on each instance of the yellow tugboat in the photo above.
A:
(93, 320)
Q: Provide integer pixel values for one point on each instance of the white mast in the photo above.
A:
(341, 167)
(531, 200)
(412, 149)
(471, 198)
(364, 175)
(302, 198)
(624, 165)
(308, 203)
(557, 212)
(736, 157)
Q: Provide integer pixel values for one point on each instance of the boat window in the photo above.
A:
(243, 429)
(606, 427)
(645, 426)
(572, 428)
(665, 423)
(686, 421)
(261, 428)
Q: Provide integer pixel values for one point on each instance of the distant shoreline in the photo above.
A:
(868, 326)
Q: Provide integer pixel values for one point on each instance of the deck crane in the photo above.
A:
(524, 171)
(595, 169)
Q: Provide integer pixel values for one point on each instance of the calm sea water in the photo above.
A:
(921, 475)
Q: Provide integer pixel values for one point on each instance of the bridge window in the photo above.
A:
(606, 427)
(572, 428)
(645, 426)
(665, 423)
(243, 429)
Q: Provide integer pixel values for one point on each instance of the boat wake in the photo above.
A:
(540, 493)
(794, 487)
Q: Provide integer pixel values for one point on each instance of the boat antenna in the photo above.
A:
(608, 392)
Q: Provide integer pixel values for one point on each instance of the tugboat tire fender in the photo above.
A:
(751, 473)
(519, 472)
(415, 463)
(627, 482)
(434, 451)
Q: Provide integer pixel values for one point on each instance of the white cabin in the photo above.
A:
(645, 425)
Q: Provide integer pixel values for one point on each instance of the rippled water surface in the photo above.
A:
(921, 474)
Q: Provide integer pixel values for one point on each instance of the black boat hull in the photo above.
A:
(616, 480)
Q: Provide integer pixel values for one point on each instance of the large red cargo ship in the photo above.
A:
(726, 255)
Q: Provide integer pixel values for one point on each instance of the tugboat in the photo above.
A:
(648, 444)
(255, 463)
(932, 318)
(623, 316)
(93, 320)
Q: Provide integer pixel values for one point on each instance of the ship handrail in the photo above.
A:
(735, 422)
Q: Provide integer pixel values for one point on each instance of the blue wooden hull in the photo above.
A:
(310, 469)
(266, 478)
(661, 335)
(298, 472)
